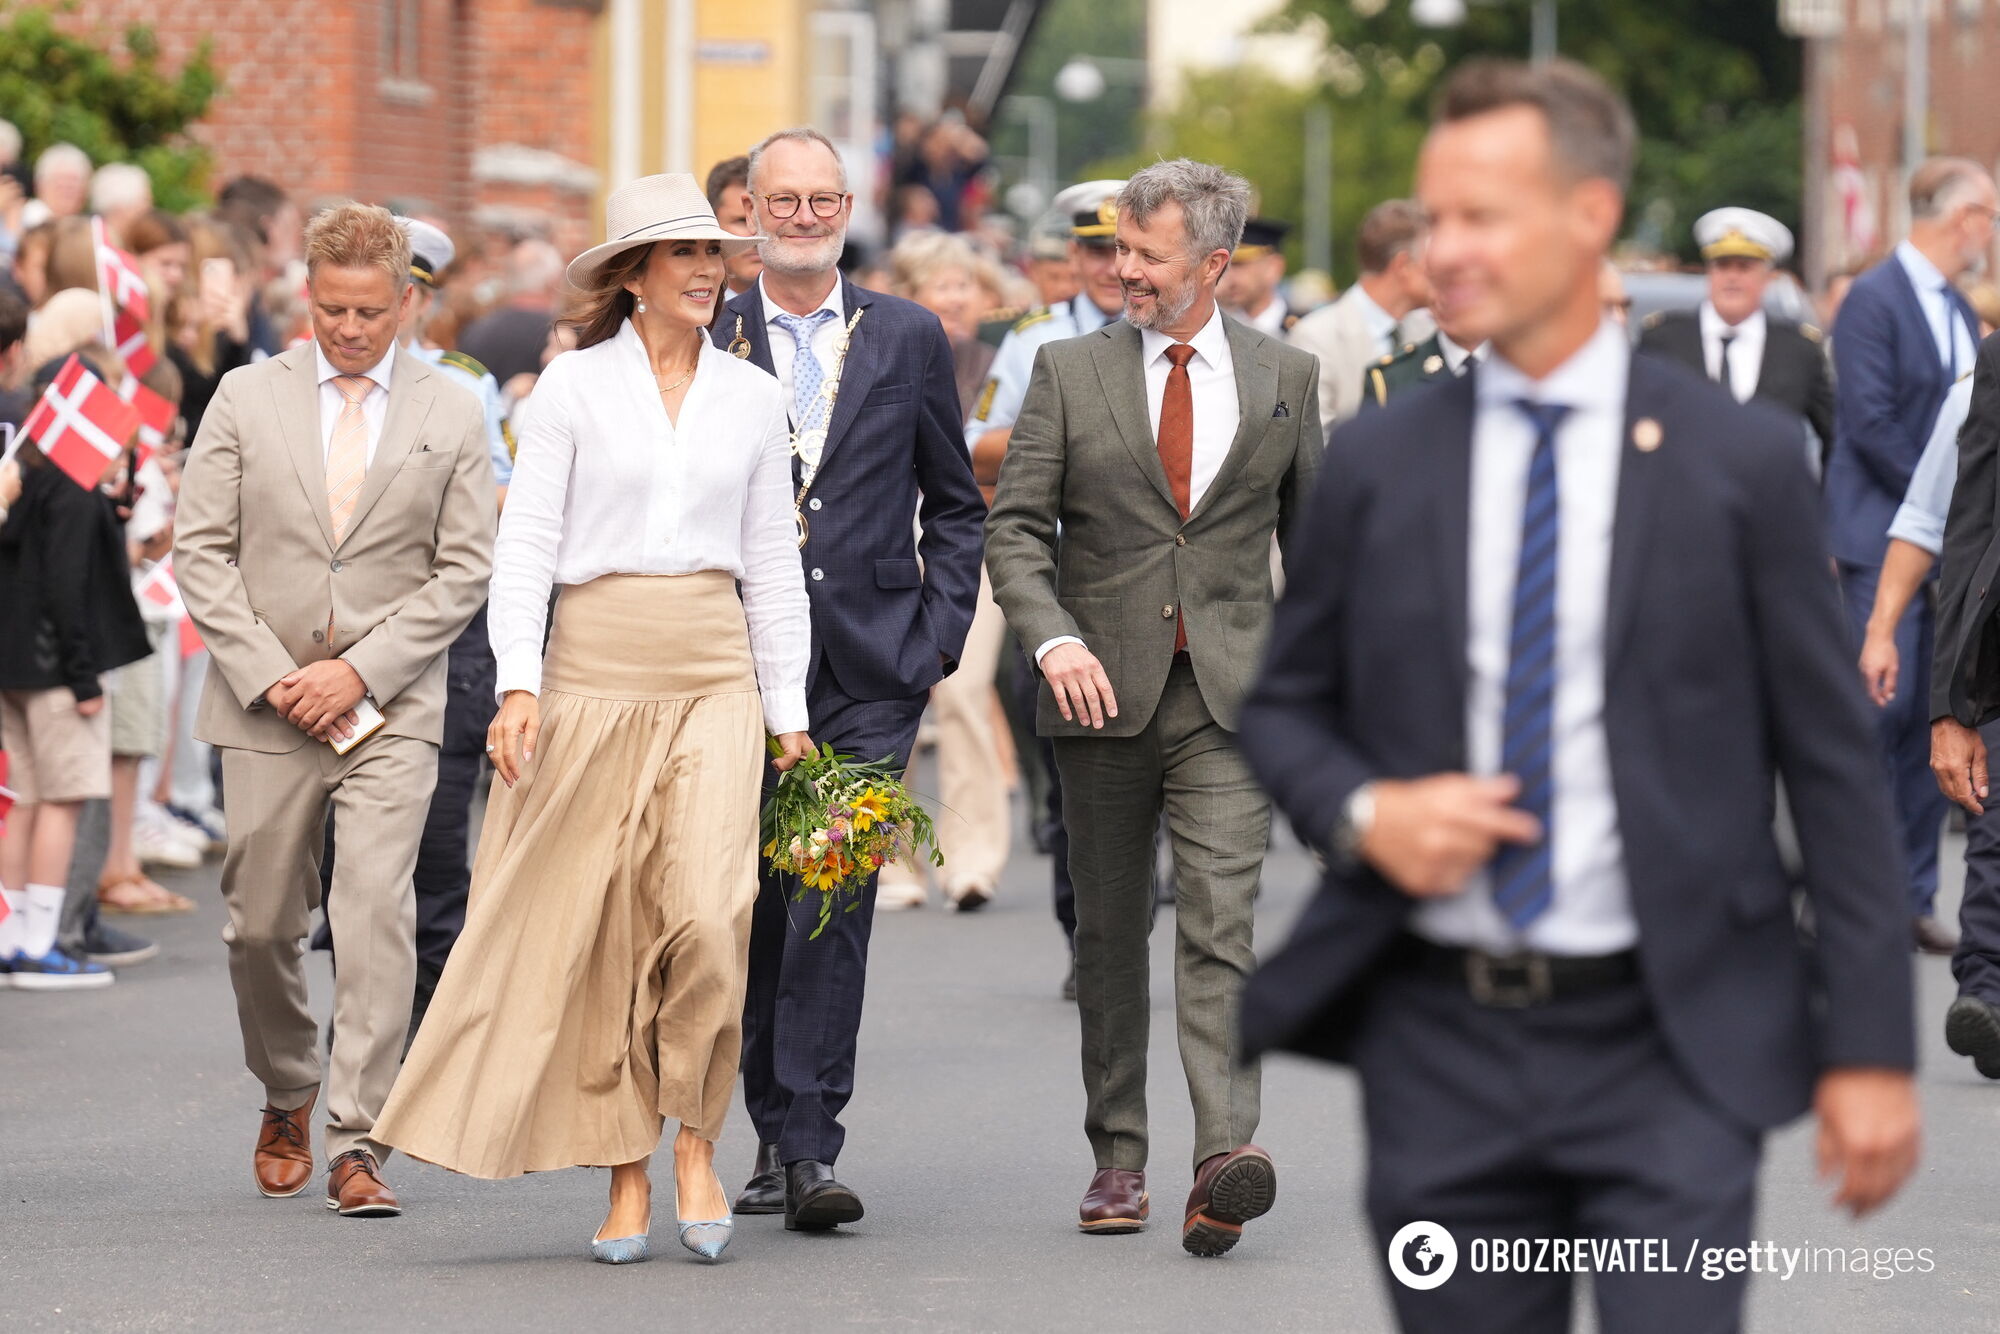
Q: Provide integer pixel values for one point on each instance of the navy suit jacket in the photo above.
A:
(885, 626)
(1890, 384)
(1726, 664)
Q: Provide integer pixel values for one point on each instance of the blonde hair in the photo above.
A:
(921, 256)
(354, 236)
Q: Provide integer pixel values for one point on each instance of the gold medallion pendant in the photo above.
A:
(805, 529)
(739, 346)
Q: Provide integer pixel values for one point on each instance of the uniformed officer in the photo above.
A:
(1439, 357)
(1731, 340)
(1092, 208)
(442, 877)
(1249, 286)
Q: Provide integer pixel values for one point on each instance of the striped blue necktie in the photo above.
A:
(1523, 876)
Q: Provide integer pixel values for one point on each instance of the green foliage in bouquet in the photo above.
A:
(834, 821)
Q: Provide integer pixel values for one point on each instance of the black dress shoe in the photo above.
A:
(765, 1191)
(1972, 1028)
(814, 1201)
(1934, 937)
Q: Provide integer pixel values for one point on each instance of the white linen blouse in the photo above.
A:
(604, 483)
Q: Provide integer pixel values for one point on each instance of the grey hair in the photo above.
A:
(798, 134)
(119, 185)
(10, 141)
(1213, 202)
(1941, 185)
(58, 156)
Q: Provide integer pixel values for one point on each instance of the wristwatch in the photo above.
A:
(1357, 817)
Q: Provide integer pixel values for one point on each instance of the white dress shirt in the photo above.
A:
(1271, 319)
(1591, 912)
(1746, 350)
(604, 483)
(1457, 354)
(1948, 331)
(1217, 411)
(374, 403)
(1381, 324)
(784, 350)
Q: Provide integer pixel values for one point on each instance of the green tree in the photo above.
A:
(1086, 132)
(114, 101)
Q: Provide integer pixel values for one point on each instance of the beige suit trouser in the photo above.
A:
(975, 822)
(270, 881)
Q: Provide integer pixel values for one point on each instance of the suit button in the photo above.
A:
(1167, 612)
(1180, 539)
(335, 567)
(813, 504)
(319, 636)
(818, 573)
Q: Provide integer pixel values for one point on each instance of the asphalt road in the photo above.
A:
(126, 1122)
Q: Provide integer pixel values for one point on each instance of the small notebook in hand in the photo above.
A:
(367, 718)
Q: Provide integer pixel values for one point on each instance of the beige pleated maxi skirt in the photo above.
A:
(598, 986)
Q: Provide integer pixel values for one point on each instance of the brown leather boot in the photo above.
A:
(1230, 1189)
(284, 1157)
(1116, 1202)
(355, 1187)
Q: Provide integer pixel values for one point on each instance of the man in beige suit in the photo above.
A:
(1168, 448)
(1377, 317)
(334, 535)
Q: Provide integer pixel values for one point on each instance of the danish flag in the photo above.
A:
(118, 274)
(129, 337)
(156, 417)
(80, 424)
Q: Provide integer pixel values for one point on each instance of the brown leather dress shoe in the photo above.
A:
(284, 1158)
(1116, 1202)
(1230, 1189)
(355, 1187)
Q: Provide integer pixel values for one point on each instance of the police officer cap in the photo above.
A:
(1260, 237)
(1092, 210)
(1742, 233)
(431, 251)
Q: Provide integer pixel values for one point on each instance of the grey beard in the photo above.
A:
(791, 264)
(1165, 311)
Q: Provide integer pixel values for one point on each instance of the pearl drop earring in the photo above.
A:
(642, 305)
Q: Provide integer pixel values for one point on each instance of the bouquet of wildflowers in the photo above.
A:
(834, 821)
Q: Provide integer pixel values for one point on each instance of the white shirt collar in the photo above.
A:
(1593, 379)
(379, 373)
(1713, 325)
(1089, 319)
(772, 309)
(1379, 321)
(1925, 276)
(1210, 343)
(1455, 353)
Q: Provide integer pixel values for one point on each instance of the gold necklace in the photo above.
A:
(666, 388)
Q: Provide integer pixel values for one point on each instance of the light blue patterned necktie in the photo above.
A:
(1524, 876)
(807, 373)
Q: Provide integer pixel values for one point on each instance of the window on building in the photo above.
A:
(402, 40)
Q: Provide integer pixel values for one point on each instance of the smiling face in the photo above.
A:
(355, 314)
(1165, 286)
(681, 281)
(1512, 239)
(794, 171)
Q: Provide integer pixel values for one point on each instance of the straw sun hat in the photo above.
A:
(667, 207)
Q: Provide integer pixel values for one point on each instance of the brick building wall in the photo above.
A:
(478, 110)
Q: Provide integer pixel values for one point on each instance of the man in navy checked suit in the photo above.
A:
(1905, 336)
(1552, 632)
(886, 626)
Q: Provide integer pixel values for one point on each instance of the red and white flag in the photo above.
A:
(118, 274)
(159, 588)
(80, 424)
(128, 336)
(156, 417)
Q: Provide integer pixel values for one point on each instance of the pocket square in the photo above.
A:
(1281, 411)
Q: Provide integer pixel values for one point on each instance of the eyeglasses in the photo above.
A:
(823, 205)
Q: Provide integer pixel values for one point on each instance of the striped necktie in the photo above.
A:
(347, 453)
(1523, 876)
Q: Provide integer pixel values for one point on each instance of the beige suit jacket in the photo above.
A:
(1082, 462)
(269, 589)
(1338, 335)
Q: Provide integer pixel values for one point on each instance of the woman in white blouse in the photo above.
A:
(598, 987)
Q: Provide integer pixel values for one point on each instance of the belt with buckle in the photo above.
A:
(1529, 978)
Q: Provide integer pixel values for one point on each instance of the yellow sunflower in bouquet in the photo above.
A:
(834, 821)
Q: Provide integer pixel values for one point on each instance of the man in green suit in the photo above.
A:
(1167, 449)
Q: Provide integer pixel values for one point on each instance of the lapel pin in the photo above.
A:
(1433, 364)
(1646, 435)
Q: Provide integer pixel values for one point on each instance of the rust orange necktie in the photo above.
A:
(1177, 447)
